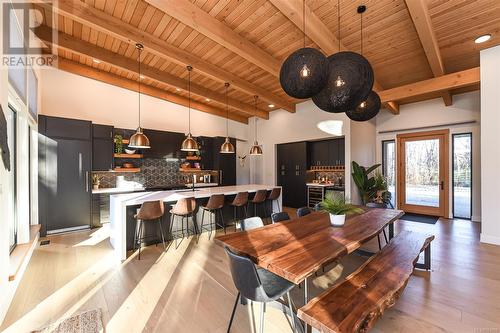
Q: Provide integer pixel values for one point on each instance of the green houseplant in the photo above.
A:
(338, 208)
(372, 185)
(118, 144)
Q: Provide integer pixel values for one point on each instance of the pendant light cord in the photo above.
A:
(227, 111)
(189, 68)
(139, 48)
(361, 33)
(338, 20)
(256, 98)
(304, 21)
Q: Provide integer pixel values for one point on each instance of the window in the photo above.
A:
(11, 180)
(462, 175)
(389, 166)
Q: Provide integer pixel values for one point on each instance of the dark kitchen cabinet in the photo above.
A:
(291, 173)
(337, 152)
(102, 147)
(224, 163)
(319, 153)
(65, 164)
(206, 152)
(163, 144)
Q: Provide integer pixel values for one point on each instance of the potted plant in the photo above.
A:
(365, 181)
(382, 196)
(338, 208)
(96, 181)
(118, 144)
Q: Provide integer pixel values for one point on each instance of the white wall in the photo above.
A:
(363, 148)
(433, 113)
(490, 148)
(283, 127)
(72, 96)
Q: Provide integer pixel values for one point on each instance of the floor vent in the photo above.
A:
(45, 242)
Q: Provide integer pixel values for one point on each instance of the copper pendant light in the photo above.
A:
(139, 140)
(189, 144)
(256, 150)
(227, 147)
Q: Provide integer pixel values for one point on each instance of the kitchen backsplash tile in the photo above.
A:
(154, 172)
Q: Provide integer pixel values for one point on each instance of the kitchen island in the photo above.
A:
(124, 206)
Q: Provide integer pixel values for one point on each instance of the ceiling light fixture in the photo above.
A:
(271, 105)
(189, 144)
(333, 127)
(256, 150)
(139, 140)
(227, 147)
(178, 89)
(304, 72)
(482, 39)
(207, 99)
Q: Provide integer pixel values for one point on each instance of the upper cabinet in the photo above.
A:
(163, 144)
(327, 152)
(102, 147)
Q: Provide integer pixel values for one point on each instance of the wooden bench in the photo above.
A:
(355, 304)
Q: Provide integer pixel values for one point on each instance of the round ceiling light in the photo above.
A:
(366, 110)
(482, 39)
(333, 127)
(304, 73)
(350, 81)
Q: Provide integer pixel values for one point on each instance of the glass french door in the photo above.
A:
(423, 172)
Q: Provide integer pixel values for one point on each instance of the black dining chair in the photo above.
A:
(251, 223)
(317, 207)
(258, 285)
(303, 211)
(279, 217)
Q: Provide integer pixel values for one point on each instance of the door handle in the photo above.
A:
(442, 185)
(86, 181)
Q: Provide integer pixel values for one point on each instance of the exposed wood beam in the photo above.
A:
(195, 17)
(81, 47)
(101, 21)
(106, 77)
(468, 77)
(423, 24)
(319, 33)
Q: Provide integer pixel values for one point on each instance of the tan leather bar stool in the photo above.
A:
(258, 199)
(183, 208)
(213, 207)
(240, 201)
(274, 196)
(151, 212)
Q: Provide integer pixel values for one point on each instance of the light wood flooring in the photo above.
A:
(189, 289)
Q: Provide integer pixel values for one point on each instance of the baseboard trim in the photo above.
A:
(476, 218)
(495, 240)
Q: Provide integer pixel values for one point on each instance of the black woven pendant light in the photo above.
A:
(350, 81)
(370, 107)
(366, 110)
(304, 73)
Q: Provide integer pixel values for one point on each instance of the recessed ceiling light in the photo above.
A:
(178, 89)
(271, 105)
(96, 61)
(482, 39)
(207, 99)
(333, 127)
(141, 76)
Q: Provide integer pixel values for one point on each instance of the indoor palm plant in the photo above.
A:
(338, 208)
(372, 185)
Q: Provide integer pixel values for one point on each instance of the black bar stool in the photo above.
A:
(151, 212)
(213, 207)
(258, 199)
(274, 196)
(239, 202)
(183, 208)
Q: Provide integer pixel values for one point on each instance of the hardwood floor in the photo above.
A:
(189, 289)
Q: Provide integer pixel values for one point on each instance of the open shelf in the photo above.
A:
(126, 169)
(193, 158)
(124, 141)
(192, 170)
(128, 155)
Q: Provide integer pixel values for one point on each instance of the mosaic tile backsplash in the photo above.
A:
(154, 172)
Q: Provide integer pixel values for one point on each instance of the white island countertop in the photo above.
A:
(120, 202)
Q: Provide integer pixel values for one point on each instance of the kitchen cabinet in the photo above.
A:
(65, 164)
(163, 144)
(327, 152)
(102, 147)
(336, 152)
(291, 173)
(225, 163)
(206, 152)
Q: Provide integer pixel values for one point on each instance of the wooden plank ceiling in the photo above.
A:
(245, 41)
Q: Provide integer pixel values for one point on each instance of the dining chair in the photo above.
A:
(303, 211)
(258, 285)
(150, 211)
(317, 207)
(279, 217)
(251, 223)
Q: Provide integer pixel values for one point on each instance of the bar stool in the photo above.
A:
(240, 201)
(214, 206)
(150, 211)
(274, 196)
(258, 199)
(183, 208)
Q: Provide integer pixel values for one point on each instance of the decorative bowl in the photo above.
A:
(130, 151)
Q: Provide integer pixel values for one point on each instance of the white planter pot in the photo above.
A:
(337, 220)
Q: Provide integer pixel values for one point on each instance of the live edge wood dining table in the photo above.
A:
(297, 248)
